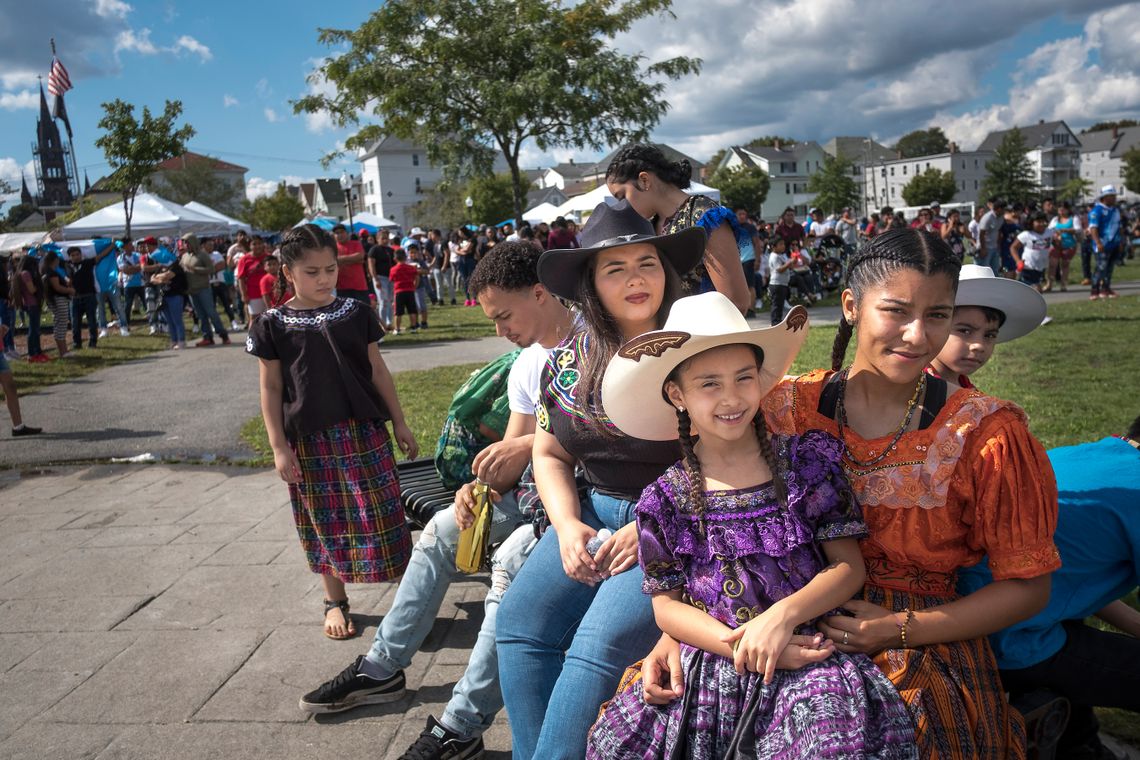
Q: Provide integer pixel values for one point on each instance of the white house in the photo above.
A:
(1053, 149)
(862, 152)
(883, 184)
(789, 167)
(395, 173)
(1102, 161)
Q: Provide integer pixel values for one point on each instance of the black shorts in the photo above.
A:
(1031, 276)
(406, 303)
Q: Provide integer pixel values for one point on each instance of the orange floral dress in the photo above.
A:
(974, 483)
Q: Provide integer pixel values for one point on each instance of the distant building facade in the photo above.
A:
(1054, 151)
(1102, 161)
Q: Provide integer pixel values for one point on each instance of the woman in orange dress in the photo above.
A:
(945, 476)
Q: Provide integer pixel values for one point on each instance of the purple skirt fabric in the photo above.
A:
(843, 707)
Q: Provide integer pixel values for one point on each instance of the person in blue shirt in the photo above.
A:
(107, 287)
(1105, 230)
(1098, 536)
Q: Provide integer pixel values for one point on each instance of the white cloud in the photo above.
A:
(137, 42)
(256, 187)
(229, 101)
(263, 88)
(112, 8)
(190, 45)
(318, 121)
(271, 116)
(10, 101)
(11, 80)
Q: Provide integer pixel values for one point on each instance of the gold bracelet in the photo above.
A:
(903, 626)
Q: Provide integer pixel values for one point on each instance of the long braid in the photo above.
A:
(691, 463)
(761, 427)
(883, 255)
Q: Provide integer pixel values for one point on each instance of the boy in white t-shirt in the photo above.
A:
(1031, 251)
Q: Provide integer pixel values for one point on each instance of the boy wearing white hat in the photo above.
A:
(987, 310)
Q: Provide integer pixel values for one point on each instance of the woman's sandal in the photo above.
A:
(349, 626)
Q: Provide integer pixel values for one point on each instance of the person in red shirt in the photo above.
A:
(269, 284)
(350, 279)
(404, 278)
(249, 272)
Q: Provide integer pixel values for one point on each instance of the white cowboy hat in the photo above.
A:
(1107, 190)
(1023, 307)
(632, 387)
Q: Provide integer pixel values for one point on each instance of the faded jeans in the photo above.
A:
(384, 299)
(111, 297)
(443, 283)
(991, 259)
(476, 698)
(563, 645)
(203, 303)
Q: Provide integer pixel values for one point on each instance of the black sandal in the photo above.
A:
(349, 625)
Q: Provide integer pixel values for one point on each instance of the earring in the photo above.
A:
(680, 409)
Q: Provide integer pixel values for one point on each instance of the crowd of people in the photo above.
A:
(700, 556)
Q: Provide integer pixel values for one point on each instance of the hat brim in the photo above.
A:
(632, 385)
(560, 268)
(1023, 306)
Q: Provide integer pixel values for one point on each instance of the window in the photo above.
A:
(927, 166)
(904, 169)
(787, 188)
(418, 185)
(975, 184)
(963, 163)
(975, 163)
(893, 171)
(415, 159)
(883, 172)
(963, 183)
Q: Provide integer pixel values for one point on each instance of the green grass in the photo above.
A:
(112, 350)
(447, 323)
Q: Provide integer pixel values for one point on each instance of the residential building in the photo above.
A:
(1102, 161)
(862, 152)
(1054, 151)
(885, 180)
(595, 174)
(395, 173)
(789, 168)
(232, 175)
(561, 175)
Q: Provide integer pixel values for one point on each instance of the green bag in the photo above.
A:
(480, 401)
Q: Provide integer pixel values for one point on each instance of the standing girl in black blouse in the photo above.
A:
(326, 396)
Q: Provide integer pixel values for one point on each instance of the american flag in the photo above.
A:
(58, 80)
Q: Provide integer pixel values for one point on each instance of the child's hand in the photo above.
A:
(405, 440)
(619, 552)
(576, 561)
(758, 644)
(288, 467)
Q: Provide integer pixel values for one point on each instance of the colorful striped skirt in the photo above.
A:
(347, 505)
(953, 691)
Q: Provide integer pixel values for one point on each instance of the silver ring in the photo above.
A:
(846, 634)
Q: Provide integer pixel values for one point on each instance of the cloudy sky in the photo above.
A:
(809, 69)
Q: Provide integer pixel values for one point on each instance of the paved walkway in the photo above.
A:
(167, 612)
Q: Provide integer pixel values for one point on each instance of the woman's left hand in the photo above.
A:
(619, 552)
(872, 630)
(405, 440)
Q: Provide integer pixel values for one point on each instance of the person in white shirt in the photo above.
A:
(1031, 251)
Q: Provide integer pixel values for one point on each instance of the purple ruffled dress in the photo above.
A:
(754, 552)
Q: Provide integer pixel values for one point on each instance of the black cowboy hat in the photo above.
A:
(612, 227)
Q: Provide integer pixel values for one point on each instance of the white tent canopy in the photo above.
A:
(229, 224)
(152, 216)
(589, 201)
(16, 241)
(543, 212)
(372, 220)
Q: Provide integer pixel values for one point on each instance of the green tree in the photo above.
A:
(492, 198)
(833, 185)
(745, 186)
(1074, 190)
(19, 213)
(275, 212)
(769, 141)
(133, 147)
(1103, 125)
(923, 142)
(197, 181)
(932, 185)
(1010, 172)
(472, 78)
(442, 206)
(1130, 172)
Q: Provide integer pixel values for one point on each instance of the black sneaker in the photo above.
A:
(26, 430)
(437, 743)
(352, 688)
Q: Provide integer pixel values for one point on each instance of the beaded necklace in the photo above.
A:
(841, 418)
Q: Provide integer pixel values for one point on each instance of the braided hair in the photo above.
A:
(635, 158)
(294, 244)
(896, 249)
(692, 464)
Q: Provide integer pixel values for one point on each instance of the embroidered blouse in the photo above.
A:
(974, 483)
(324, 363)
(702, 211)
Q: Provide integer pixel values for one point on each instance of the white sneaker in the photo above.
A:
(113, 323)
(13, 355)
(124, 332)
(103, 333)
(153, 330)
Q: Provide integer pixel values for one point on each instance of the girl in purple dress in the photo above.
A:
(744, 543)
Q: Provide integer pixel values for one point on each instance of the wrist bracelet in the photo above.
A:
(903, 626)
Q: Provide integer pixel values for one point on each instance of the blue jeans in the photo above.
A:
(84, 305)
(203, 303)
(172, 307)
(991, 259)
(1105, 263)
(384, 300)
(110, 297)
(564, 645)
(476, 698)
(35, 314)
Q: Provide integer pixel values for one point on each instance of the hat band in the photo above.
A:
(621, 240)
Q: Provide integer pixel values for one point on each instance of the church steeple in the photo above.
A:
(52, 168)
(25, 194)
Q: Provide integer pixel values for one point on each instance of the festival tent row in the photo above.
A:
(360, 222)
(546, 212)
(152, 215)
(233, 225)
(11, 242)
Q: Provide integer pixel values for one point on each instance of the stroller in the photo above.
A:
(830, 260)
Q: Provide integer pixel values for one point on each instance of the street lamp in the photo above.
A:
(346, 186)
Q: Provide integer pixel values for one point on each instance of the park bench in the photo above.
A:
(421, 492)
(1046, 715)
